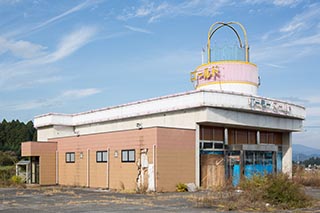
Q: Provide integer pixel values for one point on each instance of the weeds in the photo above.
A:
(260, 193)
(181, 187)
(306, 178)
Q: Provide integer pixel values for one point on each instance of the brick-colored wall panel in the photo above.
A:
(120, 174)
(175, 158)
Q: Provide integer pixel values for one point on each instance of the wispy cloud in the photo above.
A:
(77, 8)
(21, 49)
(308, 19)
(299, 36)
(69, 44)
(63, 98)
(282, 3)
(80, 93)
(153, 11)
(137, 29)
(275, 65)
(9, 1)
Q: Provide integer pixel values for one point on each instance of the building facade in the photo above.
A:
(220, 131)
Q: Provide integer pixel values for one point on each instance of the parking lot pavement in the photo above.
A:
(59, 199)
(68, 199)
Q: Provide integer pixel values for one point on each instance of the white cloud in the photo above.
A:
(286, 2)
(154, 11)
(307, 40)
(291, 27)
(71, 43)
(21, 49)
(9, 1)
(137, 29)
(282, 3)
(63, 98)
(77, 8)
(308, 19)
(75, 94)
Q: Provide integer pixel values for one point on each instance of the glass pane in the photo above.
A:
(104, 156)
(207, 145)
(72, 157)
(131, 155)
(68, 157)
(99, 157)
(124, 156)
(218, 145)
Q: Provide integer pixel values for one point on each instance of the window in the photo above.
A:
(271, 137)
(102, 156)
(242, 136)
(211, 133)
(128, 155)
(70, 156)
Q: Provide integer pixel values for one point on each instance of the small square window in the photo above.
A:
(70, 157)
(128, 155)
(102, 156)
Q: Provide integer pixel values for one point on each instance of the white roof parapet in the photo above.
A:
(180, 101)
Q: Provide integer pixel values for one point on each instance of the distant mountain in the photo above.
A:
(301, 152)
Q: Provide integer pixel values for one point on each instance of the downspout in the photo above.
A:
(57, 167)
(88, 167)
(154, 167)
(108, 169)
(197, 156)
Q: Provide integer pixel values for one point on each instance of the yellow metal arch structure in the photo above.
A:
(216, 26)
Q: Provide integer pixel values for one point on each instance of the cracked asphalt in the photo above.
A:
(68, 199)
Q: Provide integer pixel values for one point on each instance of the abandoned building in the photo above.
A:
(220, 131)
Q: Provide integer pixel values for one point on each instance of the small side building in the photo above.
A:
(221, 130)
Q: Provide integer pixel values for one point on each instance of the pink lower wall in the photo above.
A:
(175, 158)
(46, 151)
(173, 161)
(119, 175)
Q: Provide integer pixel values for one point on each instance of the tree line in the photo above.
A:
(311, 161)
(13, 133)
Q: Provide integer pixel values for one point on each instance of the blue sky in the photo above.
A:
(73, 56)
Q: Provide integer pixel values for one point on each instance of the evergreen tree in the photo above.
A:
(13, 133)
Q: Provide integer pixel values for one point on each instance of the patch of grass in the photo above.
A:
(8, 177)
(283, 192)
(306, 178)
(181, 187)
(6, 172)
(260, 193)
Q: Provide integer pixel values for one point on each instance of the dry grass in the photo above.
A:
(306, 178)
(261, 193)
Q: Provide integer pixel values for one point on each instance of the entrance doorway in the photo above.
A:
(35, 170)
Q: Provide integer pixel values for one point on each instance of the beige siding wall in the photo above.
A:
(47, 159)
(175, 158)
(119, 175)
(174, 148)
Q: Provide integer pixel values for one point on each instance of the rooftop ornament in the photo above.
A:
(243, 45)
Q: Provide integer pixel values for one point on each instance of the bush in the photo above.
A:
(278, 190)
(16, 180)
(181, 187)
(283, 192)
(6, 172)
(259, 193)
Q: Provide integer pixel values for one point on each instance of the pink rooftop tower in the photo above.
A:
(228, 68)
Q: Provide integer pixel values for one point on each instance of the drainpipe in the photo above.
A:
(57, 167)
(88, 167)
(197, 157)
(154, 166)
(108, 169)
